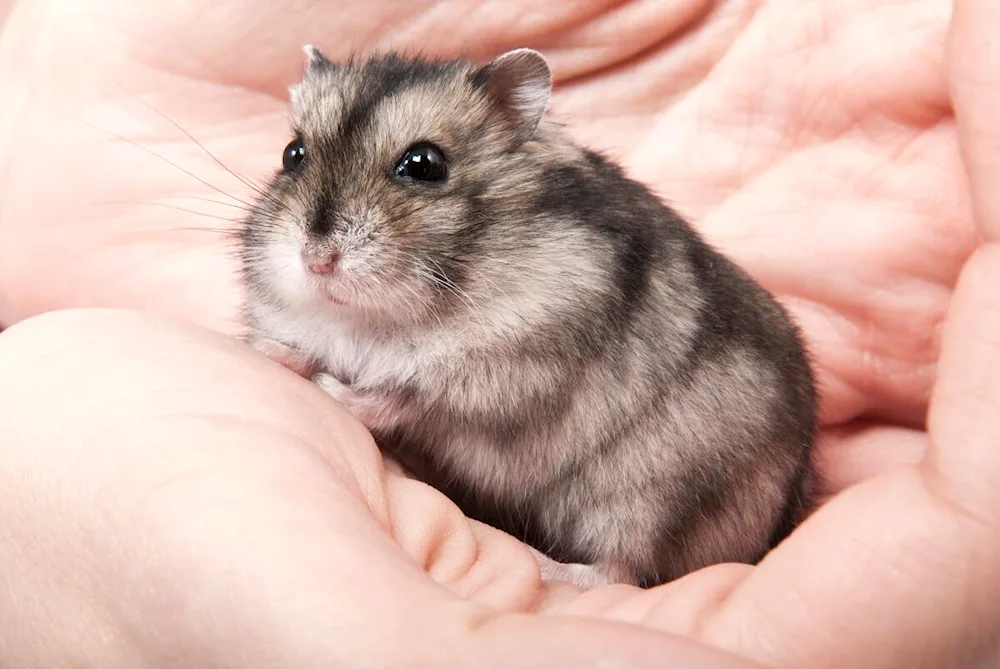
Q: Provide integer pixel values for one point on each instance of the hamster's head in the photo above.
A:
(396, 168)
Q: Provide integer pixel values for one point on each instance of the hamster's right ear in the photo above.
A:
(520, 81)
(315, 63)
(315, 60)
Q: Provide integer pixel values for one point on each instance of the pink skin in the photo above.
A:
(363, 408)
(284, 356)
(193, 505)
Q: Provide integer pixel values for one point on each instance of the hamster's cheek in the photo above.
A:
(286, 275)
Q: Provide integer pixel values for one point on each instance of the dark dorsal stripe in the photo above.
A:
(384, 77)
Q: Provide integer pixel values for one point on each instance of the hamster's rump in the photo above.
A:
(551, 345)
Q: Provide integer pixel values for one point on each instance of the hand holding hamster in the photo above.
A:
(523, 326)
(904, 228)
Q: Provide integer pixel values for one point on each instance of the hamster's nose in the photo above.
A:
(321, 263)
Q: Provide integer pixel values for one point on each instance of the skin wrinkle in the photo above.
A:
(649, 88)
(219, 66)
(673, 174)
(687, 183)
(683, 19)
(875, 385)
(874, 362)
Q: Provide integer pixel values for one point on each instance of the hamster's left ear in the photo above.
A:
(520, 81)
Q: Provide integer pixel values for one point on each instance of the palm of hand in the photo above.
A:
(781, 164)
(831, 175)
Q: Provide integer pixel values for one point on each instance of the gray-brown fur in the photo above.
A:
(538, 336)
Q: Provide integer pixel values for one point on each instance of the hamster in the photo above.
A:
(523, 326)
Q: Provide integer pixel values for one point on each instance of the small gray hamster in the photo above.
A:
(524, 327)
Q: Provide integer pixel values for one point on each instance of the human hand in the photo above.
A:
(811, 141)
(884, 203)
(172, 499)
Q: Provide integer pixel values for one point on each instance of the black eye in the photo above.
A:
(423, 162)
(293, 156)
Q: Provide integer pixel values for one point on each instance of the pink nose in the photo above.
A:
(323, 264)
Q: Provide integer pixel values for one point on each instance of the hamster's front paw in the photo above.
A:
(583, 576)
(364, 408)
(283, 355)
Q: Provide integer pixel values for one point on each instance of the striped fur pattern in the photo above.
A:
(538, 336)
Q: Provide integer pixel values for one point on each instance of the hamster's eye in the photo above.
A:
(423, 162)
(293, 156)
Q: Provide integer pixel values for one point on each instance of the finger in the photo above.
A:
(156, 491)
(882, 576)
(679, 607)
(472, 560)
(963, 462)
(131, 541)
(849, 454)
(284, 356)
(974, 75)
(910, 555)
(555, 641)
(242, 44)
(179, 371)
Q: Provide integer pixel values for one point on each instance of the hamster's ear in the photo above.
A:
(315, 60)
(520, 81)
(315, 63)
